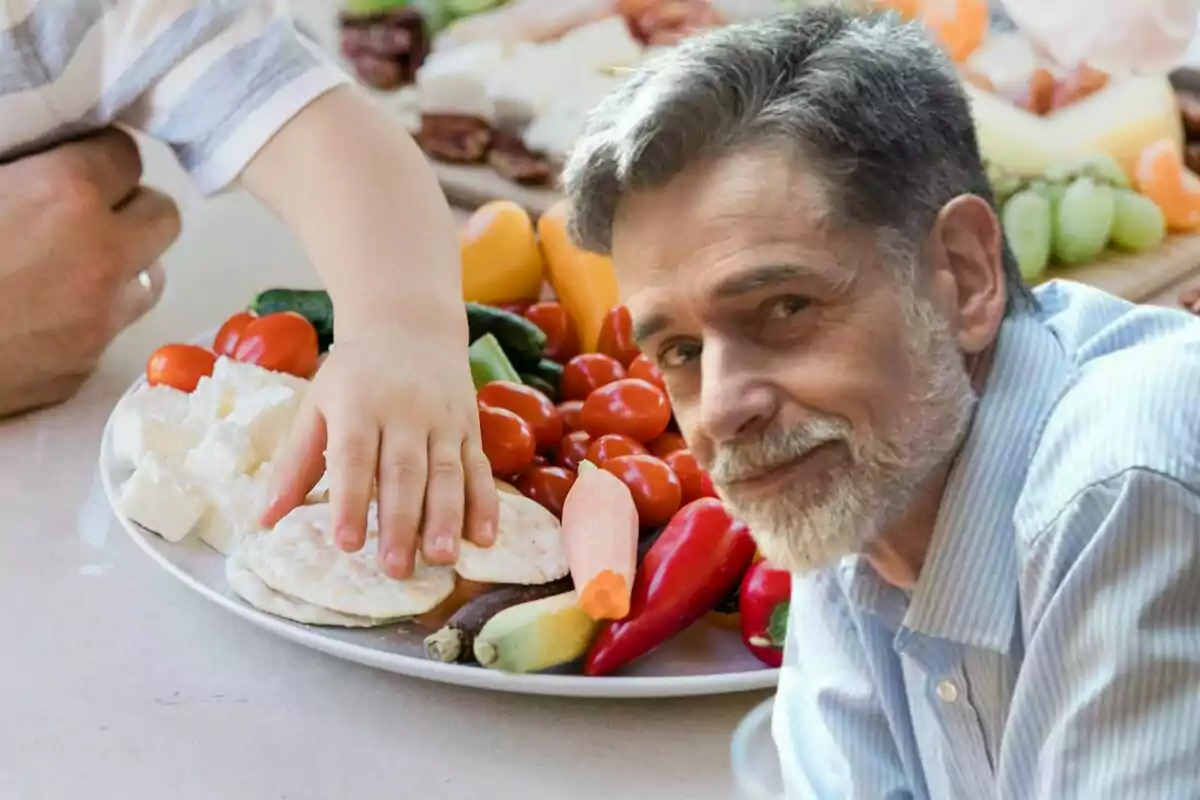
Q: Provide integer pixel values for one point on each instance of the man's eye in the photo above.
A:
(673, 355)
(782, 308)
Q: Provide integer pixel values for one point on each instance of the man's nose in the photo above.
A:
(734, 403)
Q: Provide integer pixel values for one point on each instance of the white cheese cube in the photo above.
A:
(153, 421)
(236, 508)
(226, 452)
(208, 403)
(162, 500)
(241, 378)
(456, 81)
(267, 415)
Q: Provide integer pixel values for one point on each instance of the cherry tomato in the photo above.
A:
(612, 445)
(655, 488)
(693, 478)
(666, 444)
(180, 366)
(518, 307)
(282, 342)
(586, 373)
(630, 407)
(547, 486)
(616, 336)
(539, 460)
(508, 440)
(644, 369)
(231, 333)
(569, 411)
(562, 342)
(572, 449)
(530, 405)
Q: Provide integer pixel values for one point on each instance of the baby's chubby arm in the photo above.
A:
(395, 398)
(237, 92)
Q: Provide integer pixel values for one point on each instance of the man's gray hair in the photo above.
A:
(870, 103)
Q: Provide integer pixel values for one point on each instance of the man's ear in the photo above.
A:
(964, 250)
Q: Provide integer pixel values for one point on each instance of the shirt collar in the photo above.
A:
(967, 591)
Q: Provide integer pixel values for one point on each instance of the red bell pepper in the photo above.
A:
(763, 604)
(696, 560)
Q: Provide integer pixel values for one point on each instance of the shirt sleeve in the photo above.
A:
(213, 79)
(1108, 700)
(834, 740)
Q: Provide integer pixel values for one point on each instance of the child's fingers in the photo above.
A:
(402, 470)
(301, 466)
(442, 523)
(483, 505)
(351, 458)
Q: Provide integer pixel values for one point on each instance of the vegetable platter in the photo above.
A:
(616, 571)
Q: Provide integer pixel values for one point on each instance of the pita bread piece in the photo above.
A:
(528, 549)
(299, 558)
(248, 586)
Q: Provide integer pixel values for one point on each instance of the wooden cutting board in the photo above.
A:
(470, 187)
(1136, 277)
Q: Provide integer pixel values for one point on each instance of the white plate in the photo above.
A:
(703, 660)
(755, 758)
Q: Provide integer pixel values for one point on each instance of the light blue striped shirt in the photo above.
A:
(1051, 647)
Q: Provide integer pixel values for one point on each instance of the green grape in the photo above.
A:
(1027, 227)
(1004, 187)
(1138, 223)
(1101, 167)
(1084, 219)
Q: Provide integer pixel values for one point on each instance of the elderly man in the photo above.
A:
(989, 496)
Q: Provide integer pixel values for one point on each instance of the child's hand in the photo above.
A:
(378, 407)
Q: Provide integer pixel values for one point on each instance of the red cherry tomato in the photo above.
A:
(282, 342)
(569, 411)
(693, 478)
(226, 342)
(629, 407)
(586, 373)
(572, 449)
(539, 460)
(644, 369)
(666, 444)
(562, 342)
(616, 336)
(612, 445)
(180, 366)
(508, 440)
(530, 405)
(655, 488)
(547, 486)
(518, 307)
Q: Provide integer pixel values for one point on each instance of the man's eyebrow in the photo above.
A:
(650, 326)
(759, 278)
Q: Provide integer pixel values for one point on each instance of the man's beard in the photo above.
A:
(810, 527)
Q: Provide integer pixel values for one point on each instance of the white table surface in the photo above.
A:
(118, 682)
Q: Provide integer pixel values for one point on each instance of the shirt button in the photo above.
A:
(947, 692)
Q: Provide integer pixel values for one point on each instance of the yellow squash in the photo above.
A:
(584, 282)
(501, 262)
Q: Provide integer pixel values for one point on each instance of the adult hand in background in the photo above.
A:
(79, 243)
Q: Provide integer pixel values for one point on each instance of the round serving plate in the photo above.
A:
(704, 660)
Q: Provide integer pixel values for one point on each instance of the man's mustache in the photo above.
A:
(745, 460)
